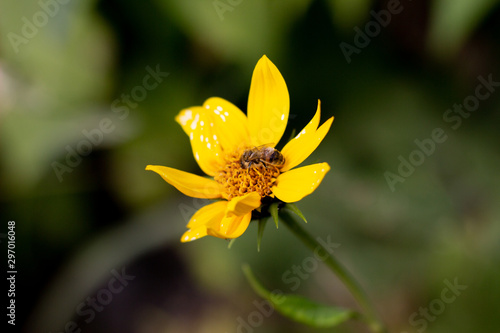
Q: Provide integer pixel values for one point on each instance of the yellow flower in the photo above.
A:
(220, 132)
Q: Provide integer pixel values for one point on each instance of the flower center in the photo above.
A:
(238, 180)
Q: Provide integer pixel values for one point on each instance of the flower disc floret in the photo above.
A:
(238, 181)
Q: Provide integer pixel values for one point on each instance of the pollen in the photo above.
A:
(239, 181)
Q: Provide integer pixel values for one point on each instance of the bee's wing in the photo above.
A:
(253, 155)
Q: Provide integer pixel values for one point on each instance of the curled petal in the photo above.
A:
(293, 185)
(206, 217)
(189, 184)
(214, 219)
(232, 227)
(268, 104)
(240, 206)
(300, 147)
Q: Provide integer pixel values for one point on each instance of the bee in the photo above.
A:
(261, 156)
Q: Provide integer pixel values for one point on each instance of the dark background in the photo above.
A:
(105, 215)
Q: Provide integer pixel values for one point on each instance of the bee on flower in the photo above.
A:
(238, 152)
(263, 156)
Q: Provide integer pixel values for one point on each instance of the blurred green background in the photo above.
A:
(66, 69)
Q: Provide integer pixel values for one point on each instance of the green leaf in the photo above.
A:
(301, 309)
(260, 232)
(273, 209)
(296, 210)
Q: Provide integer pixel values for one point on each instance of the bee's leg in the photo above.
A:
(259, 168)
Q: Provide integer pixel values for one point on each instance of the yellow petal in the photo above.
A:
(193, 234)
(300, 147)
(293, 185)
(199, 126)
(240, 206)
(189, 184)
(208, 215)
(230, 124)
(232, 227)
(223, 219)
(268, 104)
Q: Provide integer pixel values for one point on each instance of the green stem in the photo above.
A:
(373, 321)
